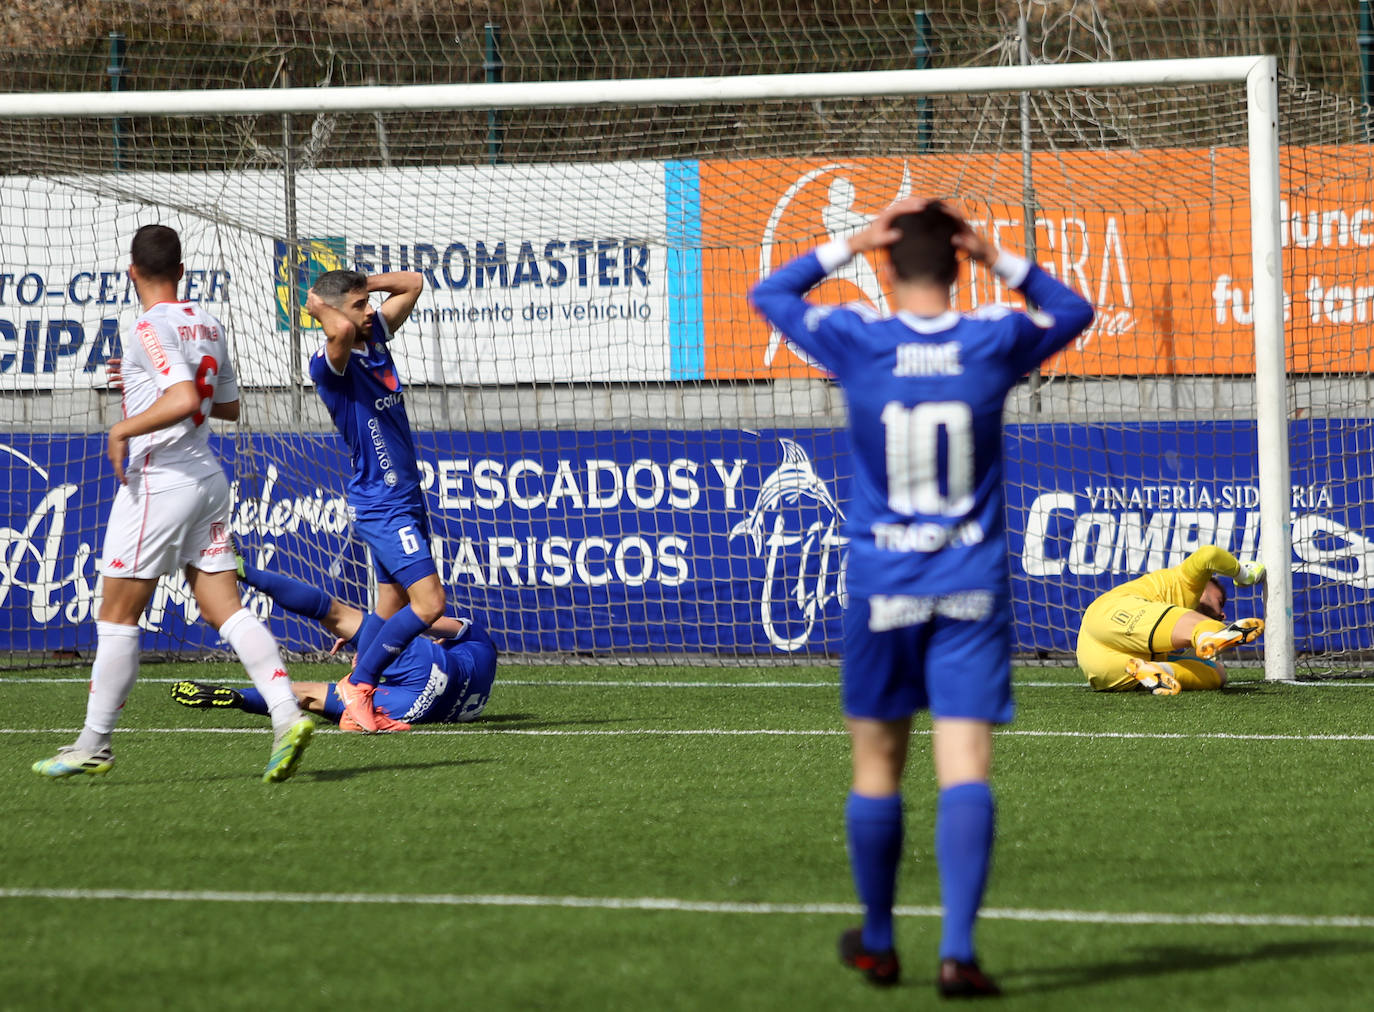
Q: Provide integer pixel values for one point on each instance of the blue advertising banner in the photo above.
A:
(713, 541)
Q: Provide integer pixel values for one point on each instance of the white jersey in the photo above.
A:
(175, 342)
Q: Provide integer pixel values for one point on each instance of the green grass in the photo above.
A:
(1123, 805)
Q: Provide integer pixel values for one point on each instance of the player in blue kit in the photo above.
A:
(928, 623)
(446, 679)
(357, 380)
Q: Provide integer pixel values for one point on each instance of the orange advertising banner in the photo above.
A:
(1158, 241)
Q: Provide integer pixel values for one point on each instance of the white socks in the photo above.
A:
(112, 679)
(258, 652)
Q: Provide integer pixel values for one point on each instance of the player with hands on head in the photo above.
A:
(928, 621)
(171, 511)
(1164, 631)
(357, 380)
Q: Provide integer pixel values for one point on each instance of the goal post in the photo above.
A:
(657, 114)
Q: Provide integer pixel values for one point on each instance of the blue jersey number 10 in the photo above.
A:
(913, 458)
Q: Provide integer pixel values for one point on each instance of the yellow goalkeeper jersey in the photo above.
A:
(1183, 584)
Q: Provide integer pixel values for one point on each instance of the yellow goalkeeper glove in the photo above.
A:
(1250, 573)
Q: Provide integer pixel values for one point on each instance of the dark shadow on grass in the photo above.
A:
(1159, 961)
(1243, 688)
(304, 774)
(347, 774)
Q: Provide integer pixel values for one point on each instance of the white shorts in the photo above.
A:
(152, 534)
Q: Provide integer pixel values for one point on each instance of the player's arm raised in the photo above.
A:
(339, 332)
(1062, 313)
(403, 289)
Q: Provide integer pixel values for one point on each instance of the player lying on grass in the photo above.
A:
(444, 680)
(1163, 631)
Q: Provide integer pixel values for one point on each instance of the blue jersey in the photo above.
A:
(368, 408)
(432, 681)
(925, 396)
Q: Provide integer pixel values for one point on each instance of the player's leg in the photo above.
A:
(1208, 637)
(426, 605)
(1110, 670)
(391, 598)
(113, 673)
(208, 554)
(139, 540)
(310, 696)
(301, 598)
(969, 676)
(401, 554)
(879, 692)
(346, 701)
(1195, 674)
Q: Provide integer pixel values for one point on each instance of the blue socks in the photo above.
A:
(253, 701)
(293, 595)
(874, 827)
(964, 820)
(393, 637)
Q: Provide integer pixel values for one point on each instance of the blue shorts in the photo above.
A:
(949, 654)
(443, 682)
(399, 539)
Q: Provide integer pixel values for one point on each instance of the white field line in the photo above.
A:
(725, 732)
(681, 906)
(617, 684)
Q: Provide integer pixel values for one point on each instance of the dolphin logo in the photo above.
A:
(803, 566)
(792, 480)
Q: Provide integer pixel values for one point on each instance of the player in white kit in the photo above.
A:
(172, 512)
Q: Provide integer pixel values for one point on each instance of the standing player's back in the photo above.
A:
(175, 342)
(926, 397)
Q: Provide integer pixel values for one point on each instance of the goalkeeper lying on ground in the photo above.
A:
(446, 679)
(1163, 631)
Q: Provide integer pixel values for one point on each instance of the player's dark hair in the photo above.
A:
(1221, 609)
(924, 252)
(332, 286)
(156, 252)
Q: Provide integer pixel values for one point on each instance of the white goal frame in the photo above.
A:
(1258, 73)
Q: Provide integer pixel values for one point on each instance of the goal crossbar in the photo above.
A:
(675, 90)
(1257, 73)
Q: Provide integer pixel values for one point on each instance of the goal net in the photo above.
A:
(620, 460)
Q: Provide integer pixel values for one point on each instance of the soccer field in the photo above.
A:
(648, 838)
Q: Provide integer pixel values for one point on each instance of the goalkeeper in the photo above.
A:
(1164, 630)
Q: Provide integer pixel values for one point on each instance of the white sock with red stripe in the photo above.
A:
(258, 652)
(113, 674)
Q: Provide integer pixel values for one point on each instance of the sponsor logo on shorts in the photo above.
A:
(218, 534)
(898, 611)
(117, 564)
